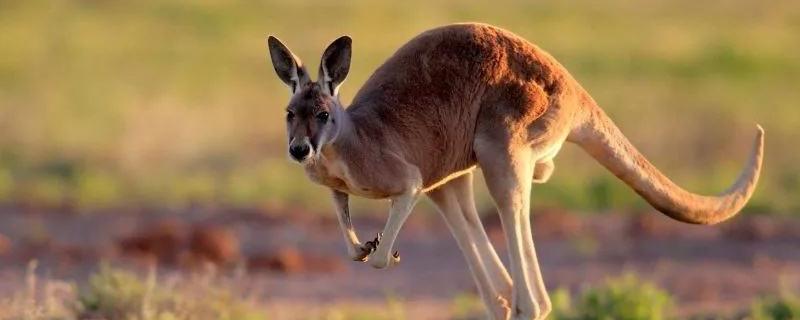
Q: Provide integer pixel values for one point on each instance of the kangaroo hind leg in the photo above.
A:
(446, 199)
(508, 170)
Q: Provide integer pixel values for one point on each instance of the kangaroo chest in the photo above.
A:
(332, 171)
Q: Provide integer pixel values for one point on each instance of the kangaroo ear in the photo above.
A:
(288, 67)
(335, 64)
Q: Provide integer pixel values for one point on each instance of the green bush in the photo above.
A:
(467, 306)
(784, 307)
(625, 298)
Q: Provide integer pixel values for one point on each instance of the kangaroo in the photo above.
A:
(452, 99)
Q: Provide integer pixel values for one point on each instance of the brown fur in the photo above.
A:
(442, 89)
(454, 98)
(466, 72)
(452, 85)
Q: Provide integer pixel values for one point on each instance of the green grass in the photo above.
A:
(786, 306)
(624, 298)
(105, 104)
(393, 309)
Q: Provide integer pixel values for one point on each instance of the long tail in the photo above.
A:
(598, 135)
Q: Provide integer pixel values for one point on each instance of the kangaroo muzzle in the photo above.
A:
(300, 150)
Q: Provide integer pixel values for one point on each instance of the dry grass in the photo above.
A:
(113, 293)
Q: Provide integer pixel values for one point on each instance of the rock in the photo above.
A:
(752, 228)
(555, 223)
(292, 261)
(285, 260)
(647, 224)
(215, 244)
(5, 245)
(162, 240)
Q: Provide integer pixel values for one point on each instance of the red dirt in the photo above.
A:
(707, 269)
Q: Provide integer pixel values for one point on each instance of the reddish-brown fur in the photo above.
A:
(451, 85)
(454, 98)
(441, 90)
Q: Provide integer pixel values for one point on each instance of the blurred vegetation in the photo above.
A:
(173, 103)
(783, 307)
(624, 298)
(631, 297)
(118, 293)
(393, 308)
(467, 306)
(627, 297)
(115, 293)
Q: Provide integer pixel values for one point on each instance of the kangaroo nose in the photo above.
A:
(299, 152)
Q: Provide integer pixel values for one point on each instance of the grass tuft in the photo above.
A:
(623, 298)
(786, 306)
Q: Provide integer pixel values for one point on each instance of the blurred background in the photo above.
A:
(131, 126)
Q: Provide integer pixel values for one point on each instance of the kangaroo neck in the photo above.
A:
(357, 129)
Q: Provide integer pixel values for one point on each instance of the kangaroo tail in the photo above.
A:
(598, 135)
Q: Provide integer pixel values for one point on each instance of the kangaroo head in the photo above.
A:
(314, 107)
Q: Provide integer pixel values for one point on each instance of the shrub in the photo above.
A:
(784, 307)
(625, 298)
(119, 294)
(467, 306)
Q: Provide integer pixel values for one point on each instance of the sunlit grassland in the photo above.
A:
(118, 293)
(173, 103)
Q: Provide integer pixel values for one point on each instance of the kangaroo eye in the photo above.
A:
(322, 116)
(289, 116)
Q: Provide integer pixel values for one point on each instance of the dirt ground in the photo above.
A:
(297, 261)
